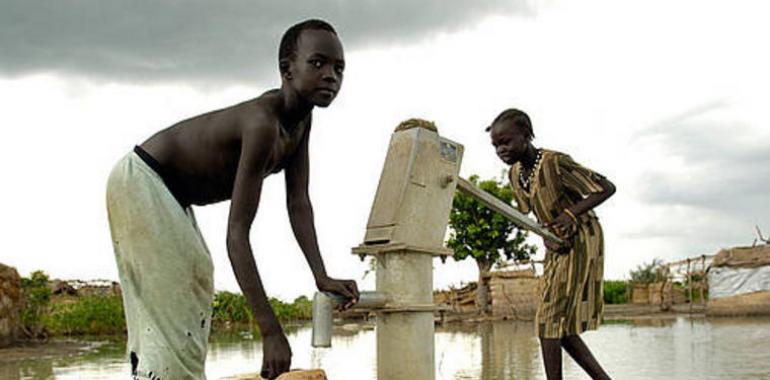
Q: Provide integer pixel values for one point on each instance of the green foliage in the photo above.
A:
(232, 309)
(87, 315)
(615, 292)
(697, 280)
(104, 315)
(647, 273)
(696, 298)
(300, 309)
(485, 235)
(37, 296)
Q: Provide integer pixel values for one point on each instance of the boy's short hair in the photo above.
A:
(288, 47)
(519, 119)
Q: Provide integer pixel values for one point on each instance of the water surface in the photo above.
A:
(681, 348)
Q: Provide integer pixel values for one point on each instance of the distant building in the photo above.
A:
(10, 305)
(513, 295)
(739, 282)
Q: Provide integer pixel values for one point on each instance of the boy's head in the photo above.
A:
(511, 133)
(311, 61)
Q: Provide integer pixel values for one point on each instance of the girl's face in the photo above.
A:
(510, 141)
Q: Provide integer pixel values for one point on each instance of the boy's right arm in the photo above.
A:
(256, 147)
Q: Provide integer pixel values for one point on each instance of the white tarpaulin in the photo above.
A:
(727, 281)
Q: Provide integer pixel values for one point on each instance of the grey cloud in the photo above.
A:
(728, 176)
(197, 40)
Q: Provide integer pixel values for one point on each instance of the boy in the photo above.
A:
(562, 195)
(165, 268)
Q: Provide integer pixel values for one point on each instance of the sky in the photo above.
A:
(666, 98)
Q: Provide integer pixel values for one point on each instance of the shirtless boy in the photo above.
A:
(165, 268)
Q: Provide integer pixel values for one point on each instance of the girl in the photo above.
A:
(562, 195)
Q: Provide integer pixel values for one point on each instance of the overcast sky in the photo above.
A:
(667, 99)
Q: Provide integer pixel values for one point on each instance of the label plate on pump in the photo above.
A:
(448, 151)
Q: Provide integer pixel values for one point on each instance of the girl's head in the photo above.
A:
(511, 134)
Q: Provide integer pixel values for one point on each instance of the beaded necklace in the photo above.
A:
(525, 182)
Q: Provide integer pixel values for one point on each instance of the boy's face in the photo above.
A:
(510, 142)
(318, 66)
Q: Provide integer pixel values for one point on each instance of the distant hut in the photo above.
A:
(10, 304)
(739, 282)
(514, 294)
(457, 301)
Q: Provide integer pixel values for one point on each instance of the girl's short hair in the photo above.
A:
(519, 119)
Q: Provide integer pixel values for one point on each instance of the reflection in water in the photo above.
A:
(26, 370)
(508, 351)
(679, 348)
(488, 351)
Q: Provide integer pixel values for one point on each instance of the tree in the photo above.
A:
(37, 296)
(486, 236)
(647, 273)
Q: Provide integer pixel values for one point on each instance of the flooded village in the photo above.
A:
(483, 331)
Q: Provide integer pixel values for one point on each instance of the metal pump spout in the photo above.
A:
(325, 303)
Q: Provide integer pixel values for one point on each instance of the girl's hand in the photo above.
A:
(563, 226)
(556, 247)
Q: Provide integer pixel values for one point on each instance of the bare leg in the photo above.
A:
(578, 350)
(551, 349)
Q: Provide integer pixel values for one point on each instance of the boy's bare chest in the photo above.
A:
(287, 145)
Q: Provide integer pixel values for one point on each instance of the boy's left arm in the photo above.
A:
(302, 223)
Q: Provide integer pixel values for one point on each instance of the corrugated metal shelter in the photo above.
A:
(739, 282)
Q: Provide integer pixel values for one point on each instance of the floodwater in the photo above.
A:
(677, 348)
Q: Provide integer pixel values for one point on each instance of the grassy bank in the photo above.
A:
(46, 314)
(87, 315)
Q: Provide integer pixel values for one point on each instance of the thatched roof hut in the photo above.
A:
(457, 301)
(514, 294)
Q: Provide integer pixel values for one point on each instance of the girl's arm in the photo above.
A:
(594, 199)
(594, 188)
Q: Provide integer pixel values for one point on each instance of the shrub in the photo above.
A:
(615, 292)
(37, 296)
(230, 308)
(301, 308)
(100, 314)
(647, 273)
(87, 315)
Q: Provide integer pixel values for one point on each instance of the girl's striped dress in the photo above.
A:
(571, 295)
